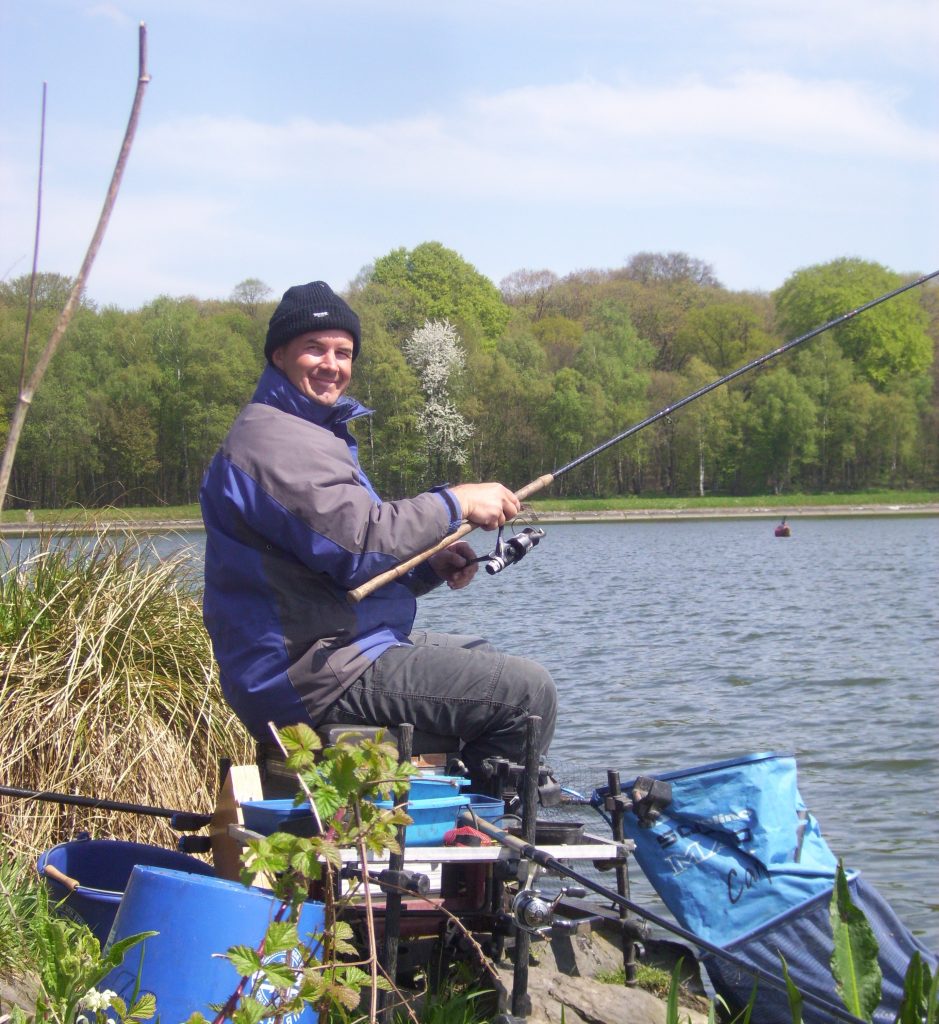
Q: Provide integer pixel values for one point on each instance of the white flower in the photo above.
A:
(95, 1000)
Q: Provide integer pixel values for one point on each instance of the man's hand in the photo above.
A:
(486, 505)
(456, 564)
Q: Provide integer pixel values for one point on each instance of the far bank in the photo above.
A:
(20, 523)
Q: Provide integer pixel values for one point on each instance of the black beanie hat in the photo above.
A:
(310, 307)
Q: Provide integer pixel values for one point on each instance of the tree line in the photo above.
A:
(136, 402)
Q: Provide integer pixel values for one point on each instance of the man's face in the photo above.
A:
(318, 364)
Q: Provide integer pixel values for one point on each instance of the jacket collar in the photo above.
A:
(275, 389)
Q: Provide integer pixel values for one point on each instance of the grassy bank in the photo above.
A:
(763, 501)
(16, 519)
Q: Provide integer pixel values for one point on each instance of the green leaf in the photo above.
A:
(932, 999)
(281, 936)
(250, 1011)
(308, 864)
(329, 851)
(912, 1004)
(296, 738)
(343, 996)
(283, 976)
(671, 1003)
(145, 1006)
(354, 976)
(245, 960)
(343, 948)
(854, 955)
(328, 801)
(115, 954)
(793, 994)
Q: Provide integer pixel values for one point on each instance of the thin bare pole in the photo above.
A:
(32, 278)
(28, 390)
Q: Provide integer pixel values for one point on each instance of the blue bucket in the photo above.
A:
(102, 867)
(196, 917)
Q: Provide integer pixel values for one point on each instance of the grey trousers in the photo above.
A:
(451, 685)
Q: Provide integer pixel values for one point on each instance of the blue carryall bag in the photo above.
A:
(735, 847)
(739, 861)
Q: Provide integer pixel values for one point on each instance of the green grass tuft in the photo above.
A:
(108, 689)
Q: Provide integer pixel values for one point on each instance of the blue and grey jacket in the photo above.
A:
(292, 524)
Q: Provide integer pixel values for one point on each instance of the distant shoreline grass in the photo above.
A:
(17, 520)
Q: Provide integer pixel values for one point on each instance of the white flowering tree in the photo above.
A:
(436, 352)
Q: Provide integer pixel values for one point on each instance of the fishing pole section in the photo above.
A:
(544, 481)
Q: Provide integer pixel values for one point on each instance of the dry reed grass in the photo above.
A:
(108, 689)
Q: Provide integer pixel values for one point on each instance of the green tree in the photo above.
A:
(702, 430)
(892, 438)
(389, 443)
(506, 390)
(568, 423)
(669, 267)
(560, 338)
(843, 408)
(250, 293)
(783, 431)
(659, 312)
(431, 282)
(58, 445)
(614, 357)
(722, 334)
(887, 341)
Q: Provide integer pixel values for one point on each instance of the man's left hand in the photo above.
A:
(456, 565)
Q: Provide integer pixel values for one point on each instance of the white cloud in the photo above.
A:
(569, 141)
(779, 130)
(895, 31)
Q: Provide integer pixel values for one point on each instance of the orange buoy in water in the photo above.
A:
(783, 530)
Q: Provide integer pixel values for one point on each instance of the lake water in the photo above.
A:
(679, 643)
(675, 644)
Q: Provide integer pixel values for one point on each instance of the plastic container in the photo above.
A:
(196, 917)
(102, 868)
(434, 818)
(267, 816)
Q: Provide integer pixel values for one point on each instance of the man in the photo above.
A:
(293, 524)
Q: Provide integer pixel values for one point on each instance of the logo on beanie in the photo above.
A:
(324, 313)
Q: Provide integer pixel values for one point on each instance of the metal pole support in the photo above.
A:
(617, 810)
(389, 954)
(521, 1004)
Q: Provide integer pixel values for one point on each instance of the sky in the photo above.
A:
(293, 140)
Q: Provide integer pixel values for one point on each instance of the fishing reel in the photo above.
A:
(514, 549)
(538, 915)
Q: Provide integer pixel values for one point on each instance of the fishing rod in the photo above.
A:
(545, 860)
(380, 580)
(181, 821)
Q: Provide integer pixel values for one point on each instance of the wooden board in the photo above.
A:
(243, 782)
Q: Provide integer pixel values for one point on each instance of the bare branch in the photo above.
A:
(65, 317)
